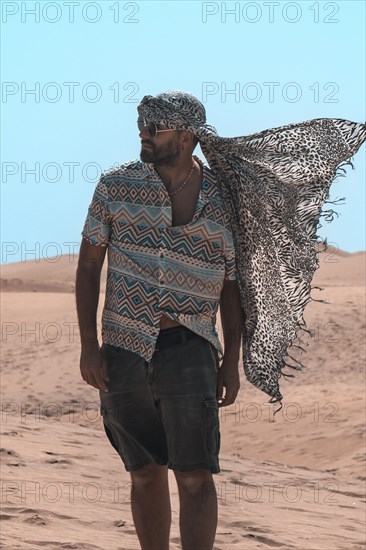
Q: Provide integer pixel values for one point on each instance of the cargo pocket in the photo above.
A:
(212, 427)
(108, 432)
(214, 356)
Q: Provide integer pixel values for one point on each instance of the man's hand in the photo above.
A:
(228, 377)
(94, 368)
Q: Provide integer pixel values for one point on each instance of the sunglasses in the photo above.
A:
(151, 126)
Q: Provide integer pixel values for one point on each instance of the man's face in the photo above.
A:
(160, 149)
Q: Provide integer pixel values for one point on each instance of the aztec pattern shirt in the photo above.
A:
(154, 268)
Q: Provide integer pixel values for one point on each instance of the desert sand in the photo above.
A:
(295, 480)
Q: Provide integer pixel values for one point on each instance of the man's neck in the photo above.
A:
(174, 175)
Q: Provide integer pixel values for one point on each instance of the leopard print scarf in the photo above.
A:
(273, 184)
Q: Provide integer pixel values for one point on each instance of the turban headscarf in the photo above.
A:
(273, 184)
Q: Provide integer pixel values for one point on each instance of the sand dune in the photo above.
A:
(293, 481)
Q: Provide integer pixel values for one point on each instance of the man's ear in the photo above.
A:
(189, 138)
(185, 139)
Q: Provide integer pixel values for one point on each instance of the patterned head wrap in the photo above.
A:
(273, 185)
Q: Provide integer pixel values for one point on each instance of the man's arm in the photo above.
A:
(231, 319)
(92, 364)
(232, 324)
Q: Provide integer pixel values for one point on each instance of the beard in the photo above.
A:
(162, 154)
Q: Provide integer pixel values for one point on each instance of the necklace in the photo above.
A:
(184, 183)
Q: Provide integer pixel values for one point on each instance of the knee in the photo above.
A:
(194, 481)
(149, 474)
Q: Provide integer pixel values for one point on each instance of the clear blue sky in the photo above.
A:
(114, 52)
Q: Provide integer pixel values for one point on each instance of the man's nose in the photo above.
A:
(144, 133)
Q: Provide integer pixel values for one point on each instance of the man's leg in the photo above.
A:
(135, 430)
(198, 509)
(185, 383)
(150, 504)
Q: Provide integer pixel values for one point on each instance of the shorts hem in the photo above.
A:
(192, 467)
(134, 467)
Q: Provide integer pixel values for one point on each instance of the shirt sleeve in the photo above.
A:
(98, 221)
(230, 264)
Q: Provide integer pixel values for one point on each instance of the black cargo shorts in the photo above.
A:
(164, 411)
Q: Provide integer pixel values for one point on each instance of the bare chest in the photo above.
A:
(184, 205)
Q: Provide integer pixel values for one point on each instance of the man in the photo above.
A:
(171, 264)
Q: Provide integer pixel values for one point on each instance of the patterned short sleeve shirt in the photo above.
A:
(154, 268)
